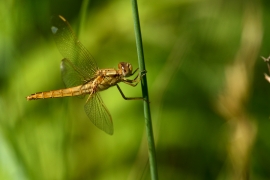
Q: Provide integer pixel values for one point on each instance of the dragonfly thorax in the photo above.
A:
(125, 69)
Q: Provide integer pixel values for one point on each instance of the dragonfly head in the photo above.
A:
(125, 69)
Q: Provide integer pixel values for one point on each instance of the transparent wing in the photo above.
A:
(99, 114)
(79, 61)
(70, 75)
(78, 67)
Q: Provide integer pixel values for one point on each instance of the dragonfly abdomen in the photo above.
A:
(74, 91)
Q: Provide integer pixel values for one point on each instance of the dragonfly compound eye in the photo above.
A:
(124, 70)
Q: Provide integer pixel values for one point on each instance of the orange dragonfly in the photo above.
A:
(82, 76)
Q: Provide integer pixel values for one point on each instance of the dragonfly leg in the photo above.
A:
(140, 75)
(136, 80)
(90, 95)
(130, 82)
(134, 71)
(127, 98)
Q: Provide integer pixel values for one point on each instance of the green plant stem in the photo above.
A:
(82, 18)
(147, 113)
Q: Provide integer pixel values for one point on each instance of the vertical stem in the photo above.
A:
(147, 113)
(82, 15)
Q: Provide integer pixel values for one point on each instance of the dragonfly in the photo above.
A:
(82, 76)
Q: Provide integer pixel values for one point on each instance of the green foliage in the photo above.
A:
(193, 53)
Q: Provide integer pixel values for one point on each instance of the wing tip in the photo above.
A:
(109, 132)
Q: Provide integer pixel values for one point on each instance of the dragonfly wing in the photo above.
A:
(72, 49)
(70, 74)
(99, 114)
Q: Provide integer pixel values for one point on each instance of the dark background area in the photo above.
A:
(209, 99)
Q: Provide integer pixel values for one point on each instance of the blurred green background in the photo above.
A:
(209, 99)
